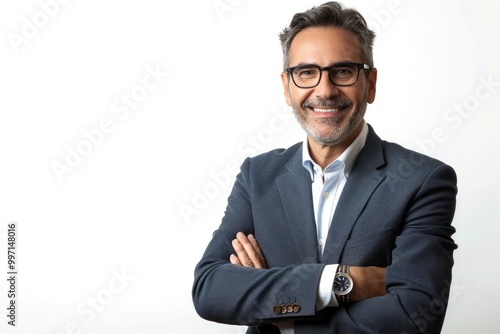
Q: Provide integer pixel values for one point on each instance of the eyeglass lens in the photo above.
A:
(309, 75)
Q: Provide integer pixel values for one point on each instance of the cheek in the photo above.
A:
(297, 97)
(356, 95)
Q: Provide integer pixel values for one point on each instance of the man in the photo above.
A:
(343, 233)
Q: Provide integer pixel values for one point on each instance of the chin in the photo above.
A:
(325, 139)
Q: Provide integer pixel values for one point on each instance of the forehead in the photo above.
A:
(324, 46)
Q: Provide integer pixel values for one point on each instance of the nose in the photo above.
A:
(326, 89)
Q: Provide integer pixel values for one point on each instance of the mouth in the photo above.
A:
(327, 112)
(322, 108)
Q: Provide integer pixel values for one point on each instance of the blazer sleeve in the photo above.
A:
(419, 276)
(418, 273)
(226, 293)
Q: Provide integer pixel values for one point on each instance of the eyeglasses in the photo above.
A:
(340, 74)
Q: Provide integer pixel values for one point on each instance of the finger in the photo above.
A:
(250, 250)
(242, 254)
(256, 246)
(234, 260)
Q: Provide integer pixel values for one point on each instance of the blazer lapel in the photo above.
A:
(294, 187)
(362, 181)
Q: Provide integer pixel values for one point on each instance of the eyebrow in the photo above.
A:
(337, 62)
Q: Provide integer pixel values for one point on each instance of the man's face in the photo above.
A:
(329, 114)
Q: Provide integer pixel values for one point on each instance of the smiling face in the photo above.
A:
(329, 114)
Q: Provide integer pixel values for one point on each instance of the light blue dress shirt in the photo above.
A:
(327, 186)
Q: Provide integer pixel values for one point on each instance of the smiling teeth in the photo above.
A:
(326, 110)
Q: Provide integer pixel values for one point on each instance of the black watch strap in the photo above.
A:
(343, 299)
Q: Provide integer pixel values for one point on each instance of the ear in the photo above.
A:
(286, 88)
(372, 86)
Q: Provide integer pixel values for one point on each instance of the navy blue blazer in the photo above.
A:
(395, 211)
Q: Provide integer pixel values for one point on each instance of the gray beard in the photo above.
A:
(342, 127)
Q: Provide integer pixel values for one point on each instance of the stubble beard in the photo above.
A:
(342, 125)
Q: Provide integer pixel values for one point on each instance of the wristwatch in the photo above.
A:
(342, 284)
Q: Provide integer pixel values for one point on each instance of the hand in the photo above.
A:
(368, 282)
(248, 253)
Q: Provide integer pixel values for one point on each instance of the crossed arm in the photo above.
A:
(368, 281)
(228, 289)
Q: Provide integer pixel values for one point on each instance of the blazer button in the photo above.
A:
(289, 308)
(277, 309)
(283, 309)
(296, 308)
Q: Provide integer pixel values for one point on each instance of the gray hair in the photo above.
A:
(330, 14)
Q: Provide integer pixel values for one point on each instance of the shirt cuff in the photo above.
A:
(326, 297)
(286, 327)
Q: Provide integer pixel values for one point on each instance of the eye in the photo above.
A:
(343, 71)
(306, 72)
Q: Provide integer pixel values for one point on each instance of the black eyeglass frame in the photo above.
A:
(359, 66)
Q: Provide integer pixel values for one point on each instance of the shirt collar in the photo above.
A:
(346, 159)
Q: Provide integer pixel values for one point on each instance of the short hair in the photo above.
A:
(330, 14)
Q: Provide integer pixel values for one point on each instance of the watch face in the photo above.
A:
(342, 284)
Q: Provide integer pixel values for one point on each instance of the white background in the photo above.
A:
(120, 208)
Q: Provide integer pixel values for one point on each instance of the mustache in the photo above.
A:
(330, 103)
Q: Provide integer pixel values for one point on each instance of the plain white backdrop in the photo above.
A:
(123, 123)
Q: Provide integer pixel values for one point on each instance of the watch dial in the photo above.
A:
(341, 284)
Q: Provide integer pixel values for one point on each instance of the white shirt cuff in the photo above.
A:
(286, 327)
(326, 297)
